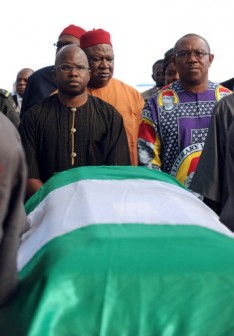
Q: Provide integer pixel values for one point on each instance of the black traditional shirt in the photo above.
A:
(57, 138)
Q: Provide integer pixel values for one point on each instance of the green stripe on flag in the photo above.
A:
(113, 280)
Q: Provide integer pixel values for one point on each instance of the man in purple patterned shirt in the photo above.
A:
(177, 132)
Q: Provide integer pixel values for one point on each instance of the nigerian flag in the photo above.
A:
(121, 251)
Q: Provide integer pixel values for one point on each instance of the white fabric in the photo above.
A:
(90, 202)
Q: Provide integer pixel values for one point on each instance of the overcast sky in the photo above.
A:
(141, 31)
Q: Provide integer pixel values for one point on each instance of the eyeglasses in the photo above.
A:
(185, 54)
(68, 67)
(61, 44)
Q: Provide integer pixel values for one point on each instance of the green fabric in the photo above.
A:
(127, 280)
(95, 173)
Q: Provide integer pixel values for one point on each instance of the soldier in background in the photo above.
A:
(8, 107)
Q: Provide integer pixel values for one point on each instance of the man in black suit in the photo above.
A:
(20, 85)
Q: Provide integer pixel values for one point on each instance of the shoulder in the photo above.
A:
(40, 110)
(4, 93)
(148, 93)
(99, 102)
(222, 92)
(227, 99)
(41, 74)
(126, 86)
(128, 91)
(101, 106)
(228, 83)
(223, 112)
(47, 69)
(8, 131)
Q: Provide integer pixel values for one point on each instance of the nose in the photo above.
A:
(74, 71)
(192, 56)
(104, 63)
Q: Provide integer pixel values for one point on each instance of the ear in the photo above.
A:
(153, 77)
(211, 57)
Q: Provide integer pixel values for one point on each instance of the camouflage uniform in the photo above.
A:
(8, 107)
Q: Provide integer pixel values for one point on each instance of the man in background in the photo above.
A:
(20, 86)
(42, 83)
(127, 101)
(8, 107)
(158, 77)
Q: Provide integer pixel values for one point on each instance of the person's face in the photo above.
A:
(73, 82)
(193, 69)
(66, 40)
(171, 74)
(168, 100)
(21, 81)
(101, 62)
(158, 75)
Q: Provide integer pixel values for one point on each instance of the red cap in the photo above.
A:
(73, 30)
(167, 93)
(93, 37)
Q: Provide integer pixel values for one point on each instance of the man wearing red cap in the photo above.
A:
(128, 101)
(42, 83)
(179, 114)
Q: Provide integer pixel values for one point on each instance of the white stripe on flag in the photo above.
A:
(88, 202)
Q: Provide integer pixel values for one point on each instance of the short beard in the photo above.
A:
(71, 93)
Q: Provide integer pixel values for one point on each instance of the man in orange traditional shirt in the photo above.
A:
(128, 101)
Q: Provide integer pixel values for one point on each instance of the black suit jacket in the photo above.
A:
(39, 86)
(15, 99)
